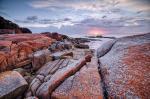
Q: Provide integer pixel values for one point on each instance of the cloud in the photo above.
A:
(32, 18)
(74, 4)
(79, 15)
(34, 21)
(94, 8)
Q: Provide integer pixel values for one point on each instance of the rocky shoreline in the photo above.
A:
(55, 66)
(125, 68)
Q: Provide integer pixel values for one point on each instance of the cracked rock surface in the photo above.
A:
(125, 68)
(84, 84)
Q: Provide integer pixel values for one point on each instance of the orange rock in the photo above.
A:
(85, 84)
(3, 62)
(45, 90)
(18, 47)
(126, 68)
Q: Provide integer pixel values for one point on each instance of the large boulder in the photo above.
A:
(12, 85)
(101, 51)
(84, 84)
(125, 68)
(39, 58)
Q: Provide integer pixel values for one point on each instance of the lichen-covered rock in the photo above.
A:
(12, 84)
(84, 84)
(16, 48)
(125, 68)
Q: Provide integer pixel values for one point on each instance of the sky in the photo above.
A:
(79, 17)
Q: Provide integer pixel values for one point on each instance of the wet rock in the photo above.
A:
(82, 46)
(125, 68)
(12, 84)
(84, 84)
(106, 47)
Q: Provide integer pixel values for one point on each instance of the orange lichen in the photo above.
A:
(138, 61)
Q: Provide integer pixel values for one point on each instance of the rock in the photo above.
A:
(62, 55)
(12, 84)
(59, 69)
(81, 40)
(101, 51)
(125, 68)
(5, 46)
(82, 46)
(39, 58)
(59, 46)
(84, 84)
(15, 49)
(23, 63)
(3, 62)
(21, 71)
(45, 90)
(56, 36)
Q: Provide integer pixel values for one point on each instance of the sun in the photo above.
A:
(96, 32)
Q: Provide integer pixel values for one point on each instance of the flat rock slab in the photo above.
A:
(12, 84)
(85, 84)
(125, 68)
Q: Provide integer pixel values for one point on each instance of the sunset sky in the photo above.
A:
(76, 17)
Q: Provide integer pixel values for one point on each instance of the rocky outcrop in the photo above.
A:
(55, 35)
(8, 27)
(12, 85)
(84, 84)
(52, 75)
(125, 68)
(15, 49)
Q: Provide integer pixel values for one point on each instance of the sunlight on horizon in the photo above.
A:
(96, 32)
